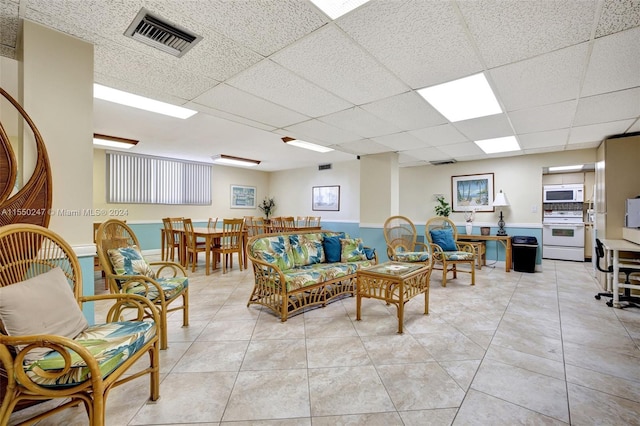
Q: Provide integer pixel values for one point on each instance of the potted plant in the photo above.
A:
(443, 208)
(267, 206)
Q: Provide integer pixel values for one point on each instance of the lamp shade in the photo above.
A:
(500, 200)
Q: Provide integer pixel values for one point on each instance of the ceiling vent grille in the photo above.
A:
(158, 33)
(324, 167)
(441, 162)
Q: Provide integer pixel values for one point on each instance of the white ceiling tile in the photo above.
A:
(618, 16)
(492, 126)
(269, 80)
(263, 26)
(542, 80)
(598, 132)
(408, 111)
(316, 130)
(333, 61)
(9, 23)
(614, 63)
(234, 101)
(400, 141)
(462, 150)
(228, 116)
(509, 31)
(551, 138)
(408, 38)
(428, 154)
(439, 135)
(363, 147)
(360, 122)
(635, 127)
(547, 117)
(608, 107)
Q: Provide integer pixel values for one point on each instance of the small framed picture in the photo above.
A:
(325, 198)
(243, 197)
(472, 193)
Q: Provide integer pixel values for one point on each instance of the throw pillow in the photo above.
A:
(44, 304)
(332, 248)
(370, 252)
(444, 238)
(352, 250)
(129, 261)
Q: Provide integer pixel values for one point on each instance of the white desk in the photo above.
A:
(615, 247)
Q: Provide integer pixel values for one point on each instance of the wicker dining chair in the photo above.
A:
(127, 271)
(442, 234)
(230, 242)
(402, 242)
(48, 351)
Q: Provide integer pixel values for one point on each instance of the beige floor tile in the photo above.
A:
(272, 354)
(204, 357)
(436, 417)
(395, 349)
(616, 386)
(374, 419)
(450, 346)
(336, 352)
(592, 407)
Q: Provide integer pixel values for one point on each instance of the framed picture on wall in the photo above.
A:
(325, 198)
(472, 192)
(243, 197)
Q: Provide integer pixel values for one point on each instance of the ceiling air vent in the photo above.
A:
(441, 162)
(156, 32)
(324, 166)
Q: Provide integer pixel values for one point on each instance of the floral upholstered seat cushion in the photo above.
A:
(111, 344)
(458, 255)
(320, 272)
(307, 249)
(170, 286)
(352, 250)
(401, 255)
(129, 261)
(274, 250)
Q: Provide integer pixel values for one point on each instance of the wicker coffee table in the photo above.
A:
(395, 283)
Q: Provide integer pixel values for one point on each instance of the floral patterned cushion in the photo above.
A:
(129, 261)
(458, 255)
(111, 344)
(170, 286)
(352, 250)
(411, 256)
(307, 249)
(320, 272)
(275, 250)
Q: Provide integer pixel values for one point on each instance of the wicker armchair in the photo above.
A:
(402, 246)
(52, 353)
(442, 234)
(126, 271)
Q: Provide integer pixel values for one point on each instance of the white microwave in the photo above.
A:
(563, 193)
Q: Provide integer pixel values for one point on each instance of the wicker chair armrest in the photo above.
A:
(462, 246)
(422, 247)
(144, 308)
(135, 280)
(438, 253)
(268, 273)
(173, 266)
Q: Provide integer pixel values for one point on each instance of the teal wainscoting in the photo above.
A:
(88, 285)
(353, 229)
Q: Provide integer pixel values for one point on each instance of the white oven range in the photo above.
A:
(563, 235)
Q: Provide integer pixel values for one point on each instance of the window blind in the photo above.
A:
(139, 179)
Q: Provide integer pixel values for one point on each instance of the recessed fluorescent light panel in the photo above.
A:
(306, 145)
(336, 8)
(566, 168)
(492, 146)
(463, 99)
(140, 102)
(234, 161)
(113, 141)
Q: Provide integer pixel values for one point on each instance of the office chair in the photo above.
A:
(626, 269)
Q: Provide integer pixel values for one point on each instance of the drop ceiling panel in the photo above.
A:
(618, 16)
(262, 26)
(8, 23)
(598, 132)
(428, 154)
(462, 150)
(492, 126)
(269, 80)
(408, 111)
(363, 147)
(234, 101)
(635, 127)
(552, 138)
(316, 130)
(615, 63)
(547, 117)
(526, 28)
(608, 107)
(400, 141)
(542, 80)
(333, 61)
(423, 42)
(439, 135)
(360, 122)
(228, 116)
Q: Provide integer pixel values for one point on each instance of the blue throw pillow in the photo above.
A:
(444, 238)
(332, 248)
(370, 253)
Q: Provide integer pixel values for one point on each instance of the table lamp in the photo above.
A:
(501, 201)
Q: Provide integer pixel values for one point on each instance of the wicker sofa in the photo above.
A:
(296, 270)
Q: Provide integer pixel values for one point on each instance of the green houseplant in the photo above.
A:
(267, 206)
(442, 208)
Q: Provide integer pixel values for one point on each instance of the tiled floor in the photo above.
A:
(516, 348)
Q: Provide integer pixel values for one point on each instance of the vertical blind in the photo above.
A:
(139, 179)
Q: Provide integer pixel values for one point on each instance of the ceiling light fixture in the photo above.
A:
(234, 161)
(306, 145)
(113, 141)
(140, 102)
(336, 8)
(565, 168)
(463, 99)
(492, 146)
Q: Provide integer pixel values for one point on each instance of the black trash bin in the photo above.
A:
(524, 251)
